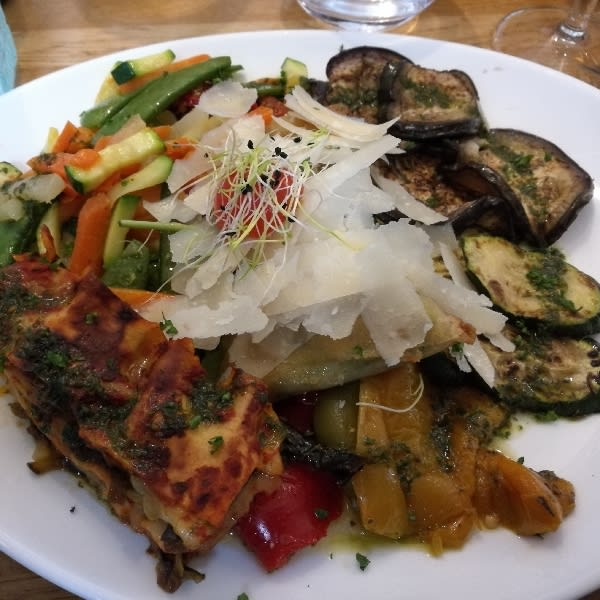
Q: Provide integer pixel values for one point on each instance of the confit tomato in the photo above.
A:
(253, 211)
(297, 514)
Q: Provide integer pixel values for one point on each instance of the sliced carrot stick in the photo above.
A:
(64, 137)
(137, 82)
(72, 138)
(138, 298)
(22, 257)
(82, 139)
(163, 131)
(149, 194)
(102, 142)
(84, 158)
(69, 206)
(49, 163)
(178, 148)
(56, 162)
(48, 243)
(92, 228)
(53, 163)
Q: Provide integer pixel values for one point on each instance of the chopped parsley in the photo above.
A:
(362, 560)
(358, 351)
(91, 318)
(216, 443)
(547, 276)
(208, 404)
(321, 513)
(167, 326)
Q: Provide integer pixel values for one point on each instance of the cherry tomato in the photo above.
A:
(297, 514)
(253, 211)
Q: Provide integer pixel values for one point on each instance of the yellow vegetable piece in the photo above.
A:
(384, 512)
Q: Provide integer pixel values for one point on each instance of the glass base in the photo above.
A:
(535, 34)
(364, 15)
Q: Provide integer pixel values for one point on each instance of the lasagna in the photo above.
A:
(175, 455)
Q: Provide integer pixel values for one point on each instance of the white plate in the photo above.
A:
(91, 554)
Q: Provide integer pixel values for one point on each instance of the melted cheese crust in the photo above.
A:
(131, 409)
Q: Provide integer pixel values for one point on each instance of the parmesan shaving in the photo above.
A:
(407, 204)
(309, 109)
(228, 99)
(298, 252)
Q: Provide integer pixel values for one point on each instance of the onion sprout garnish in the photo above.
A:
(418, 394)
(257, 192)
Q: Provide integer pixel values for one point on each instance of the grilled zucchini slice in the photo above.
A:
(544, 373)
(537, 285)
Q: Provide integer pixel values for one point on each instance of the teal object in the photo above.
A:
(8, 56)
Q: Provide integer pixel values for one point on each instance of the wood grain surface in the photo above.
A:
(51, 34)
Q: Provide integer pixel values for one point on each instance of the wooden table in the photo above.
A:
(53, 34)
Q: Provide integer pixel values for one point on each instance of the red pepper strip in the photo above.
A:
(297, 514)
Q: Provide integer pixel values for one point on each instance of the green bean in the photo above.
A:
(96, 116)
(160, 93)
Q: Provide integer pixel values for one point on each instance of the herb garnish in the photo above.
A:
(547, 277)
(362, 560)
(321, 513)
(216, 443)
(167, 326)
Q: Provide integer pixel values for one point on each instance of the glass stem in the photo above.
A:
(573, 28)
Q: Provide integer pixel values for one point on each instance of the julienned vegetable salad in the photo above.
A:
(276, 225)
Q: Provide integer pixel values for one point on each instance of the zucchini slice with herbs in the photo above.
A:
(547, 374)
(533, 284)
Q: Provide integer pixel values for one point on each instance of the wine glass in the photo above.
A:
(566, 39)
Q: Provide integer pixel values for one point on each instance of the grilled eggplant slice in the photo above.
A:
(543, 373)
(354, 80)
(545, 188)
(422, 171)
(533, 284)
(429, 103)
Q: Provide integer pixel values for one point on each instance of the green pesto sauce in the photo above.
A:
(208, 404)
(353, 98)
(440, 440)
(58, 367)
(530, 342)
(398, 454)
(518, 171)
(547, 277)
(14, 300)
(427, 94)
